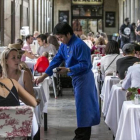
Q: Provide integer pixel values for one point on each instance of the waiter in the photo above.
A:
(76, 55)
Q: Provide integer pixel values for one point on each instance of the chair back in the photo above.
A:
(15, 122)
(41, 65)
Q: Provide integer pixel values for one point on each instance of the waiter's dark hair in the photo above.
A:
(62, 28)
(112, 47)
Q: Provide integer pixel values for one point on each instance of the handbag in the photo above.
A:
(111, 62)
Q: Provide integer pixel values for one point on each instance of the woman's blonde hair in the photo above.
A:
(100, 41)
(4, 57)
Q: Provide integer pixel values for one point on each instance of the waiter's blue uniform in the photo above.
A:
(76, 55)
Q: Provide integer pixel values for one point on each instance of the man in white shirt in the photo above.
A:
(132, 78)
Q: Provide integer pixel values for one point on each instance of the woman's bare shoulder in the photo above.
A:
(9, 82)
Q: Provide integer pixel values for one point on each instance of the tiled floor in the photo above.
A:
(62, 121)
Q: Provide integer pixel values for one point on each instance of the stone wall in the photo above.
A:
(62, 5)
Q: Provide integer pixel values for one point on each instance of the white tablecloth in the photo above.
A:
(115, 102)
(95, 72)
(129, 122)
(42, 107)
(95, 62)
(105, 93)
(30, 62)
(45, 84)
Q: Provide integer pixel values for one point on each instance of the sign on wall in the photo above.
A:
(63, 16)
(109, 19)
(86, 2)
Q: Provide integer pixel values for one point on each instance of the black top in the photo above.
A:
(125, 30)
(138, 36)
(10, 100)
(124, 63)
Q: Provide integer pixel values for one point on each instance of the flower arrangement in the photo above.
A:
(133, 92)
(102, 55)
(98, 65)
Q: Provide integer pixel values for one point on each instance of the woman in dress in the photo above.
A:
(11, 91)
(10, 60)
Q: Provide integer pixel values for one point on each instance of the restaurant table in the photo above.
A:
(115, 102)
(96, 78)
(96, 60)
(45, 84)
(105, 93)
(30, 62)
(129, 122)
(42, 107)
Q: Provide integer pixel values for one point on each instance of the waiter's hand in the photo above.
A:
(63, 70)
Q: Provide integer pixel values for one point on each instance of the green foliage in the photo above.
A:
(134, 91)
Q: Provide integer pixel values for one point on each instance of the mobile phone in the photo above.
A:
(56, 70)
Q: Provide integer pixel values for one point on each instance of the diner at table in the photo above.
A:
(128, 60)
(108, 62)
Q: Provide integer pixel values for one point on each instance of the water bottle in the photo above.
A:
(114, 73)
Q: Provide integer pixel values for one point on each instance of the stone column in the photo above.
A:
(128, 8)
(136, 10)
(2, 23)
(120, 13)
(31, 16)
(45, 16)
(132, 11)
(17, 19)
(40, 16)
(35, 15)
(125, 9)
(51, 30)
(7, 22)
(49, 17)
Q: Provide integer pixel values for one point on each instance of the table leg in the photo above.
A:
(54, 87)
(45, 122)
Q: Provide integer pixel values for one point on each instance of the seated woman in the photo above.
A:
(132, 78)
(99, 46)
(10, 61)
(11, 91)
(108, 62)
(42, 63)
